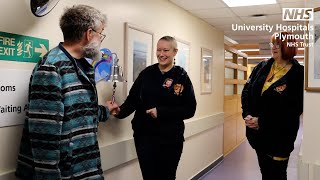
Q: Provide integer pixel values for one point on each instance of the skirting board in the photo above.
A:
(208, 168)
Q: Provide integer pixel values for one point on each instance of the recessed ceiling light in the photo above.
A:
(237, 3)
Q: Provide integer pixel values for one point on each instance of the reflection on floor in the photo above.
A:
(242, 164)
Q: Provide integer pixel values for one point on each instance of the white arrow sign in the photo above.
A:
(43, 50)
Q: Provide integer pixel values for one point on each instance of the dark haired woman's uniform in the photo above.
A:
(278, 108)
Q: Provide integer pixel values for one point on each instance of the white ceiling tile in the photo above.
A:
(223, 21)
(252, 20)
(199, 4)
(239, 33)
(274, 18)
(245, 11)
(249, 33)
(271, 9)
(225, 27)
(213, 13)
(283, 1)
(265, 9)
(292, 5)
(291, 23)
(313, 4)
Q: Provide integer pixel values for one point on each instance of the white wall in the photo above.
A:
(204, 132)
(309, 164)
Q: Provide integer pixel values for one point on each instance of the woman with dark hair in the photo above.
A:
(272, 102)
(162, 97)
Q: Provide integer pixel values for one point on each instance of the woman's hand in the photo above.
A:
(252, 122)
(113, 107)
(152, 112)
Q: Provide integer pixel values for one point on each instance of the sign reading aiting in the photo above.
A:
(14, 85)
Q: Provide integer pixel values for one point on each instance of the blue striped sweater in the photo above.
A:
(59, 139)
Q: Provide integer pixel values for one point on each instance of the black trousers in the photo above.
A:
(158, 160)
(272, 169)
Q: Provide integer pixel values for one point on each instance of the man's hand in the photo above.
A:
(152, 112)
(113, 107)
(252, 122)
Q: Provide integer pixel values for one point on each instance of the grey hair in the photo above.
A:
(78, 19)
(170, 39)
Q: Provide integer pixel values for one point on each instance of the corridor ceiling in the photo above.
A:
(224, 18)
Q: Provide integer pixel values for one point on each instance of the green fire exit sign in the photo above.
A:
(15, 47)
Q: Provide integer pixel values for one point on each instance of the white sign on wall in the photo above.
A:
(13, 96)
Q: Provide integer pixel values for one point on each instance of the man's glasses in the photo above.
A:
(276, 45)
(102, 36)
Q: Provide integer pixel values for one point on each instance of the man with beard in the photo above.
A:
(59, 139)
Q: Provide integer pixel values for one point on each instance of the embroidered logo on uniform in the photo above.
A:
(167, 83)
(281, 88)
(178, 88)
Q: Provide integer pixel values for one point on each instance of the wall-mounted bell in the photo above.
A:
(116, 75)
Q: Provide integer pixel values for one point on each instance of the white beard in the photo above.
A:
(92, 51)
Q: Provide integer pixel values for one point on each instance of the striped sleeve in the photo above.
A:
(103, 113)
(46, 112)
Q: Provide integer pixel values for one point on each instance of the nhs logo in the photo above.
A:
(297, 14)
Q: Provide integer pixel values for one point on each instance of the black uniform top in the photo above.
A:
(278, 108)
(171, 93)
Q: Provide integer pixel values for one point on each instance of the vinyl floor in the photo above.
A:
(242, 164)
